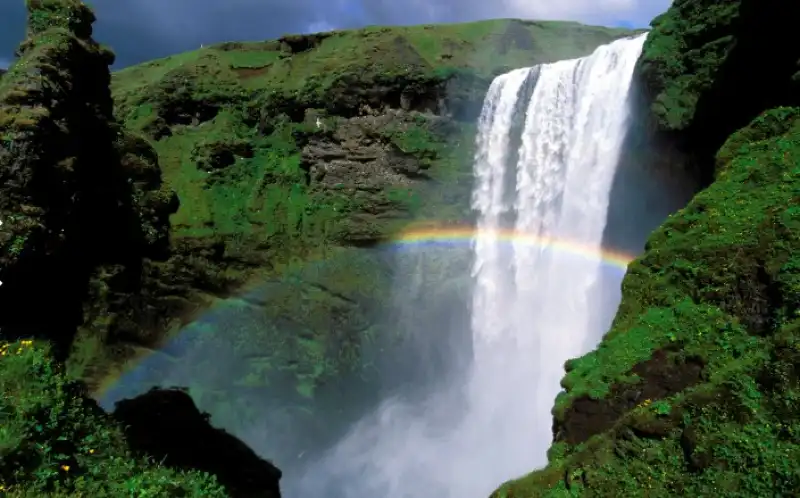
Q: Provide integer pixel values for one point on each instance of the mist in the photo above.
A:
(461, 431)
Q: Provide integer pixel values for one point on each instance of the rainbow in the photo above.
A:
(458, 236)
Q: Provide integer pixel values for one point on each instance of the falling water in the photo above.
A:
(531, 304)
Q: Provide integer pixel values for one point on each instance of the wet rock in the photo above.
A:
(166, 424)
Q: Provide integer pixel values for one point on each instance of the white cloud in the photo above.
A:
(604, 12)
(636, 12)
(319, 27)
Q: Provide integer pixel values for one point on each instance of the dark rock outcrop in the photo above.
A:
(211, 156)
(71, 196)
(166, 425)
(295, 44)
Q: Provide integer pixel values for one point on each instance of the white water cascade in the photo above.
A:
(532, 303)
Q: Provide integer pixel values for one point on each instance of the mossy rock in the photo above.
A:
(716, 293)
(697, 66)
(65, 167)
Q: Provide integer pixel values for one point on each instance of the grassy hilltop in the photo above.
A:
(231, 120)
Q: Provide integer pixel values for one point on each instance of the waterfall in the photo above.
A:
(548, 142)
(532, 303)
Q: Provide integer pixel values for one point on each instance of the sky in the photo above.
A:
(140, 30)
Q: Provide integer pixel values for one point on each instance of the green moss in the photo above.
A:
(719, 282)
(72, 15)
(681, 57)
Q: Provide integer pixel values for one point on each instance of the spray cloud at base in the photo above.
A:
(549, 142)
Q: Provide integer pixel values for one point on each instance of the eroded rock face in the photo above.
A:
(166, 425)
(357, 155)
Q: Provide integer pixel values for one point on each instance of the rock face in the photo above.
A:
(693, 391)
(364, 157)
(166, 425)
(356, 153)
(709, 67)
(76, 190)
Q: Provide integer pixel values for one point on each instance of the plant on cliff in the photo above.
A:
(55, 441)
(694, 45)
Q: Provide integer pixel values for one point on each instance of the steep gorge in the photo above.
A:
(296, 160)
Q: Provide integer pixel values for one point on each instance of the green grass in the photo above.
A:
(54, 442)
(396, 49)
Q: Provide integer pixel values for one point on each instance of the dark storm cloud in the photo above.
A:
(139, 30)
